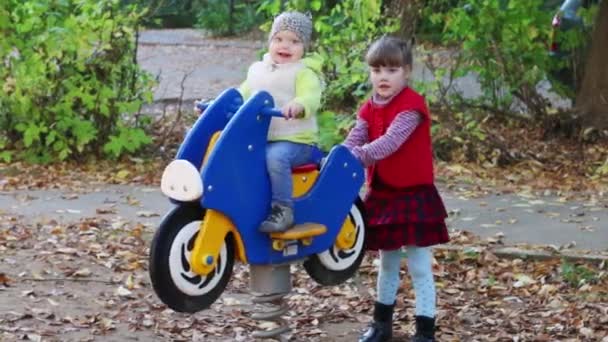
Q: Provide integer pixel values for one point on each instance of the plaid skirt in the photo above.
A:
(401, 217)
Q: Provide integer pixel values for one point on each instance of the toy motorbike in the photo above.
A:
(221, 190)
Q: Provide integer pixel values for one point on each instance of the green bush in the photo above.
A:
(505, 45)
(69, 79)
(360, 23)
(168, 13)
(431, 14)
(215, 17)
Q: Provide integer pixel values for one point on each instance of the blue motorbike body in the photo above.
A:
(236, 182)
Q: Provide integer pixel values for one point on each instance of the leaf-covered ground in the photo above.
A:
(87, 281)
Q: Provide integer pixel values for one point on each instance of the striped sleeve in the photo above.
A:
(397, 133)
(357, 135)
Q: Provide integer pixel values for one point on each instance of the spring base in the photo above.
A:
(275, 307)
(270, 284)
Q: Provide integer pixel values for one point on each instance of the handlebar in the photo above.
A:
(272, 112)
(265, 111)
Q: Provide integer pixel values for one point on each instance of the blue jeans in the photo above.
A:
(281, 157)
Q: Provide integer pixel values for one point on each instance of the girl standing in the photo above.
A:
(392, 138)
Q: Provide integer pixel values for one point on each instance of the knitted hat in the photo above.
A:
(296, 22)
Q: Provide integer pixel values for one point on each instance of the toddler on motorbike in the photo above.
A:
(294, 82)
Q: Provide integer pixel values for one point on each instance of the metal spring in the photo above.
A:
(278, 307)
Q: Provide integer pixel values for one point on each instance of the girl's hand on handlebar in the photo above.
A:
(293, 110)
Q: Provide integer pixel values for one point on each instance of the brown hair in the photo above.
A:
(390, 52)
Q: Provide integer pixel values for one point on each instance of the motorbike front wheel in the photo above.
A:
(334, 266)
(170, 271)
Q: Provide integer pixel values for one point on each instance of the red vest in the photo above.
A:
(412, 163)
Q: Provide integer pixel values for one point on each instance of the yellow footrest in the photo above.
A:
(300, 231)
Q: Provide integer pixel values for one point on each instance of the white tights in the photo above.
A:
(419, 263)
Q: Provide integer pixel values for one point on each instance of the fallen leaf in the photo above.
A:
(122, 174)
(231, 301)
(147, 214)
(4, 280)
(523, 280)
(123, 292)
(132, 201)
(85, 272)
(130, 283)
(67, 250)
(33, 337)
(57, 230)
(587, 332)
(106, 210)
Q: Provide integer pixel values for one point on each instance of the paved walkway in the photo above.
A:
(521, 219)
(211, 65)
(205, 66)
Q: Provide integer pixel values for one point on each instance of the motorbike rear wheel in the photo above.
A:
(334, 266)
(170, 271)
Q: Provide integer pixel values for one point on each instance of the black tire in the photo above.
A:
(172, 279)
(335, 266)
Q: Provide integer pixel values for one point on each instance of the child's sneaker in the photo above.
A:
(279, 220)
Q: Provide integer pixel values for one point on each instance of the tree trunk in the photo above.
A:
(592, 98)
(408, 11)
(231, 17)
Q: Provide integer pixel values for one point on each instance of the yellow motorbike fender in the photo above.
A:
(209, 241)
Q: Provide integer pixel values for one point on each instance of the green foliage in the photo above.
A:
(577, 275)
(461, 136)
(333, 128)
(506, 46)
(167, 13)
(126, 140)
(471, 253)
(432, 13)
(70, 78)
(346, 74)
(273, 7)
(600, 171)
(431, 16)
(5, 156)
(215, 17)
(360, 23)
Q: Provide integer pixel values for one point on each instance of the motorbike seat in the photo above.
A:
(317, 156)
(305, 168)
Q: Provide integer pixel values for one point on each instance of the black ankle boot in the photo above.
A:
(381, 329)
(425, 329)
